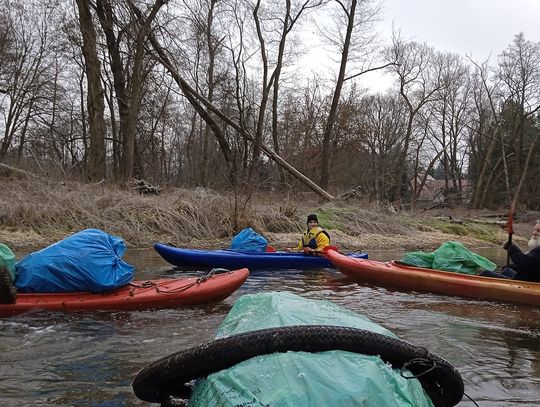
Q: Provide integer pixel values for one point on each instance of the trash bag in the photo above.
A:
(450, 256)
(419, 259)
(7, 259)
(331, 378)
(89, 260)
(248, 241)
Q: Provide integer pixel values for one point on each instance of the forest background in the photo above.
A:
(208, 99)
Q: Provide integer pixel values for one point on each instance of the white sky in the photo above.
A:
(473, 27)
(481, 29)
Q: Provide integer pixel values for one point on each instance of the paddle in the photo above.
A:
(323, 251)
(510, 229)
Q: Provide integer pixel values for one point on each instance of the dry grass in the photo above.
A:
(36, 212)
(33, 213)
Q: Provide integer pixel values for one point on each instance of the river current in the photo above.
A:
(90, 359)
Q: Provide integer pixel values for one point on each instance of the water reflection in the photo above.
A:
(89, 359)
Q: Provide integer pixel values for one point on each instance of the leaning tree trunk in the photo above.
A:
(196, 99)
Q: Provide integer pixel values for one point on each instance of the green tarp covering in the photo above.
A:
(333, 378)
(450, 256)
(7, 260)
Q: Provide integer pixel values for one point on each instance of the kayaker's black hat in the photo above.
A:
(312, 217)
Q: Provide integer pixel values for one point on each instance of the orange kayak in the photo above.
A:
(138, 295)
(394, 274)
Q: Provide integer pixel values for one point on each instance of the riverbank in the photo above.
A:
(37, 212)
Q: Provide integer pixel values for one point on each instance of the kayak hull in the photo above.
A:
(138, 295)
(233, 260)
(394, 274)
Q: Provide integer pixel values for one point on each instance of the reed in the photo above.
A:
(36, 211)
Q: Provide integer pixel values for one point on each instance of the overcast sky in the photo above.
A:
(473, 27)
(479, 28)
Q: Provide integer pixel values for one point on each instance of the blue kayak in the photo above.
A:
(233, 260)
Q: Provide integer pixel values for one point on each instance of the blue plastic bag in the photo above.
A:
(89, 260)
(248, 241)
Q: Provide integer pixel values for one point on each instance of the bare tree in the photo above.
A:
(203, 47)
(128, 72)
(353, 25)
(283, 24)
(449, 114)
(418, 85)
(487, 128)
(519, 72)
(203, 107)
(94, 100)
(512, 96)
(24, 75)
(383, 125)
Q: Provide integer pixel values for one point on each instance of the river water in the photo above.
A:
(90, 359)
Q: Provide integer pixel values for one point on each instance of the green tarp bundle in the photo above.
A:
(332, 378)
(7, 260)
(450, 256)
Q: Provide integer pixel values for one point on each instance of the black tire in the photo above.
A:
(166, 377)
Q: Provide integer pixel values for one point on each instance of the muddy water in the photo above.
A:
(89, 359)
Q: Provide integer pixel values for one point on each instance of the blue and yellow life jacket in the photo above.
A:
(315, 238)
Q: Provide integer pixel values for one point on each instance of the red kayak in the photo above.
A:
(394, 274)
(138, 295)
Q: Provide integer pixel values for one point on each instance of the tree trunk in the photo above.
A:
(333, 114)
(128, 94)
(524, 173)
(95, 106)
(479, 187)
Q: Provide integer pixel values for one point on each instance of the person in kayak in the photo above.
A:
(314, 239)
(524, 266)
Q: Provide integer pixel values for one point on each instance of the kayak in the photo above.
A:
(395, 274)
(280, 349)
(234, 259)
(138, 295)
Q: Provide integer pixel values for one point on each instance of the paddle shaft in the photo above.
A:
(510, 227)
(508, 251)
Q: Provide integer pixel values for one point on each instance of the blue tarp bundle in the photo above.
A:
(89, 260)
(248, 241)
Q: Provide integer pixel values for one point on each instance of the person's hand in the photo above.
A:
(308, 250)
(507, 245)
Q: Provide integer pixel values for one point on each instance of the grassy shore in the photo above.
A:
(35, 212)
